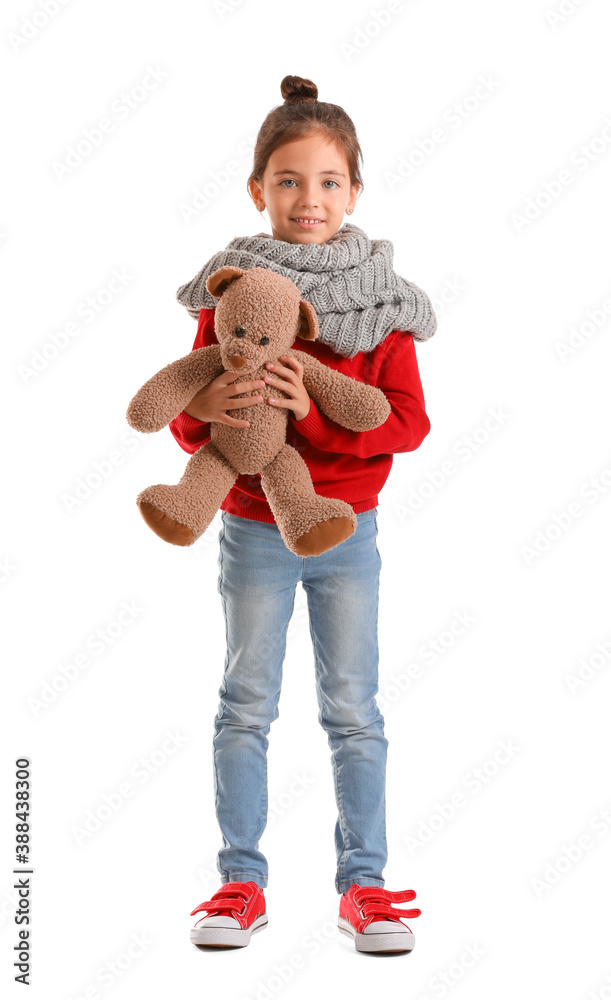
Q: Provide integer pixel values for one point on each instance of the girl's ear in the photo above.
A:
(308, 321)
(219, 281)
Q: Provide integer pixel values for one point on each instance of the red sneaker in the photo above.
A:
(235, 912)
(366, 915)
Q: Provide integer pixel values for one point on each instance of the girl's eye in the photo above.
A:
(329, 181)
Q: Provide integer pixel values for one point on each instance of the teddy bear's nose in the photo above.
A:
(238, 361)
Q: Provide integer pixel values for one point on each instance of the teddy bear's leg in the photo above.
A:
(180, 514)
(309, 524)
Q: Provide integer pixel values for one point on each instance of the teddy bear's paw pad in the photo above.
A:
(164, 526)
(323, 536)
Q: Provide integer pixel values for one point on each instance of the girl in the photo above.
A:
(306, 174)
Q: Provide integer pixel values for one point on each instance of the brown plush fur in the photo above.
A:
(264, 304)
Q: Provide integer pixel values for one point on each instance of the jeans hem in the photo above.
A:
(245, 877)
(345, 885)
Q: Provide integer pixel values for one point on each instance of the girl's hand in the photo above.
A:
(290, 380)
(211, 402)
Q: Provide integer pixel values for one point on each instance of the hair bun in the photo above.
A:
(295, 88)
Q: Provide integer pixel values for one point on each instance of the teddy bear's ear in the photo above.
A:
(219, 280)
(308, 321)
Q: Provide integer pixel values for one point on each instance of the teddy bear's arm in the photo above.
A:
(166, 394)
(350, 403)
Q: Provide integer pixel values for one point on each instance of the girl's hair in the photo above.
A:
(302, 115)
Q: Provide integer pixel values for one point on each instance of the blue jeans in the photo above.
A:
(257, 580)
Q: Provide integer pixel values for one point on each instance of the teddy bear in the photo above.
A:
(258, 317)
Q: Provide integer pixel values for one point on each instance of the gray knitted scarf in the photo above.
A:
(349, 280)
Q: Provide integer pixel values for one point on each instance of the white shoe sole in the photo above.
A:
(227, 937)
(391, 941)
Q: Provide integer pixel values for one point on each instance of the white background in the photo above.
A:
(515, 272)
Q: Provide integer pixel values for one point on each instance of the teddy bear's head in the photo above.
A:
(259, 316)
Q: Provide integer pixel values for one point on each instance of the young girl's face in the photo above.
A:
(306, 178)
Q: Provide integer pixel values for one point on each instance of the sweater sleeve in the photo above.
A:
(190, 432)
(406, 425)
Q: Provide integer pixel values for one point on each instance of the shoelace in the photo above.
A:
(225, 902)
(372, 899)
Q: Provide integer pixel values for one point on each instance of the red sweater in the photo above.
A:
(349, 465)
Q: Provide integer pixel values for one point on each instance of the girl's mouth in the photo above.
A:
(307, 225)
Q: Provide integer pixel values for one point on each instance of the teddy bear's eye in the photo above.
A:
(264, 340)
(239, 332)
